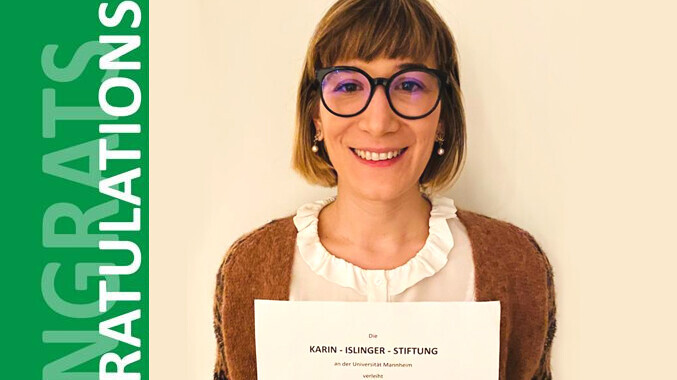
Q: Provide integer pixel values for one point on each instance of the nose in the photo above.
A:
(379, 119)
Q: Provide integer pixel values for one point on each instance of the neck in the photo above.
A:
(376, 225)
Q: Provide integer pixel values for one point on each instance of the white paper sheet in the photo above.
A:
(304, 340)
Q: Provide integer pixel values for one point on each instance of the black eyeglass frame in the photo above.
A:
(442, 80)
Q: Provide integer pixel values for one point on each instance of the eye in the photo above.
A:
(347, 87)
(409, 86)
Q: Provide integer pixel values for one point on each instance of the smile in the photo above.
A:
(373, 156)
(379, 158)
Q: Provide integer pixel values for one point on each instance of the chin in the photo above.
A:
(379, 192)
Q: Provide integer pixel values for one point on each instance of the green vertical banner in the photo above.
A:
(75, 190)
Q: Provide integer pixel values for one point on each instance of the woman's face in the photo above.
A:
(378, 129)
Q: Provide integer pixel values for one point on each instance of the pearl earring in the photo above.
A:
(440, 151)
(315, 148)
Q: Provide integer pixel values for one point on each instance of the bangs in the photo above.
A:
(367, 30)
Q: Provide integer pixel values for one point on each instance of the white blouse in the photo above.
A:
(442, 270)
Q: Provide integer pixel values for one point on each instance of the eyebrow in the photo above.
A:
(403, 66)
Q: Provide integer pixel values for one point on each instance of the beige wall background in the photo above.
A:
(571, 127)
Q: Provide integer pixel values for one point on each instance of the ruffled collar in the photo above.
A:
(430, 259)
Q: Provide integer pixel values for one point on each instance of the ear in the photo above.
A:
(440, 130)
(318, 126)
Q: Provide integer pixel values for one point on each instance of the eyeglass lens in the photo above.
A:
(412, 93)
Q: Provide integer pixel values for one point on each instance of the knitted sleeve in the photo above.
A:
(220, 366)
(220, 369)
(544, 372)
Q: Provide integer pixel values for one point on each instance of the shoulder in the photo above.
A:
(264, 250)
(257, 265)
(259, 239)
(515, 244)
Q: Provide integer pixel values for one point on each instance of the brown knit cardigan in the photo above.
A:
(509, 266)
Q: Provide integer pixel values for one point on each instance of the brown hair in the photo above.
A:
(370, 29)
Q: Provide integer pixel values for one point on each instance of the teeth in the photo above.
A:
(377, 156)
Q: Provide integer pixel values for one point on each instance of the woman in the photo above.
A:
(380, 117)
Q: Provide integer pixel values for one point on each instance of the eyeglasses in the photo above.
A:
(413, 93)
